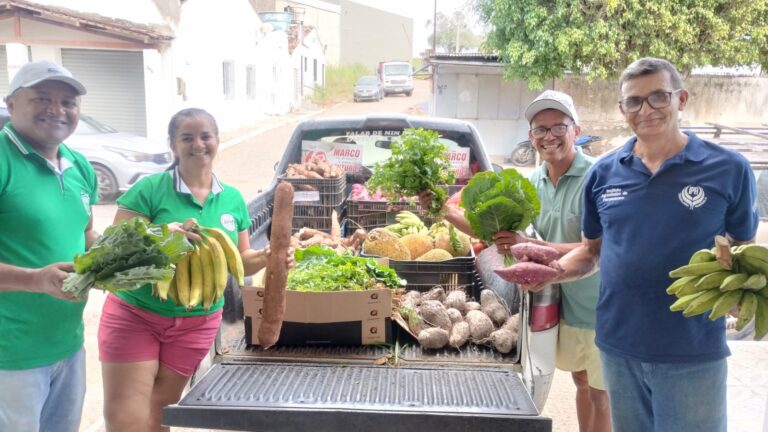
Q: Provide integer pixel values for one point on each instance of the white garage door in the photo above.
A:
(115, 83)
(4, 79)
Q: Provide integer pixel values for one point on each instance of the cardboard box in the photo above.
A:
(325, 318)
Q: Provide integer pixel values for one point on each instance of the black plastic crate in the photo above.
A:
(315, 216)
(327, 192)
(455, 273)
(376, 214)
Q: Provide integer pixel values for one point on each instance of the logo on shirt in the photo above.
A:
(692, 196)
(614, 194)
(228, 221)
(85, 198)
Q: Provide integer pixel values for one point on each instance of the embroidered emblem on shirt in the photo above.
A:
(692, 196)
(85, 197)
(614, 194)
(228, 221)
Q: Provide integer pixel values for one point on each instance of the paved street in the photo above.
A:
(246, 161)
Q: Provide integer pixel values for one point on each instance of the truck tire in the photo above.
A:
(233, 302)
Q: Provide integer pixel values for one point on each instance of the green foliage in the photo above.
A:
(339, 272)
(419, 162)
(542, 39)
(339, 83)
(454, 33)
(503, 201)
(127, 256)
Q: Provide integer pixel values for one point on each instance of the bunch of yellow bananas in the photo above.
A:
(201, 276)
(408, 223)
(706, 284)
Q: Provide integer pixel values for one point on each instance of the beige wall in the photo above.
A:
(369, 35)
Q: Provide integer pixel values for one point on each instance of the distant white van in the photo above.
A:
(397, 77)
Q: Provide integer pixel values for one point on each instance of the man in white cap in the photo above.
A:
(46, 194)
(559, 182)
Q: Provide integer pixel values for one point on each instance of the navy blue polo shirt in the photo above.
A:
(651, 224)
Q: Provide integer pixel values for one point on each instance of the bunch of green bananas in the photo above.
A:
(201, 276)
(407, 223)
(705, 284)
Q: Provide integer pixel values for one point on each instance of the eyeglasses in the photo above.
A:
(656, 100)
(557, 130)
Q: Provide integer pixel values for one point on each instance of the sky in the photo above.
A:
(420, 11)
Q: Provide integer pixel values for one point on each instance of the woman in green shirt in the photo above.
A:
(150, 347)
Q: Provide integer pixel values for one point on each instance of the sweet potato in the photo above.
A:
(534, 252)
(492, 307)
(527, 273)
(433, 338)
(277, 270)
(480, 326)
(433, 312)
(459, 334)
(456, 299)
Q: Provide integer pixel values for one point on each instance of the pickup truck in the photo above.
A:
(332, 388)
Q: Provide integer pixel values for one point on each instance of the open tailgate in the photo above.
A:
(348, 397)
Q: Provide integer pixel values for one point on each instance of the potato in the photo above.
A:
(433, 338)
(433, 313)
(456, 299)
(480, 326)
(459, 334)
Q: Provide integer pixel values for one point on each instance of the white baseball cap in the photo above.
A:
(39, 71)
(552, 99)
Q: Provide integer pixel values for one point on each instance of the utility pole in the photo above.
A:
(434, 28)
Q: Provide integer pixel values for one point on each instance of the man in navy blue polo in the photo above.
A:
(647, 208)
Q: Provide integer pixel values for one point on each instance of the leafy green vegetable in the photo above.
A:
(419, 162)
(127, 256)
(320, 269)
(499, 201)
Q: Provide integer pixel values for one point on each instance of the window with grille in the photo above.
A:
(229, 79)
(250, 81)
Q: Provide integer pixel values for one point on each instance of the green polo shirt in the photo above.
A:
(164, 198)
(560, 222)
(44, 211)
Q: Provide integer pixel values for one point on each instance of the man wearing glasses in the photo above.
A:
(559, 183)
(647, 208)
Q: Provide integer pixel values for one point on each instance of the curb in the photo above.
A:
(281, 121)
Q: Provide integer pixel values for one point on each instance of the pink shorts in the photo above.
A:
(131, 334)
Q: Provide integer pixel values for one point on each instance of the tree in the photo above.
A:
(542, 39)
(455, 33)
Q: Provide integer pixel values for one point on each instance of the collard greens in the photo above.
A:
(127, 256)
(319, 268)
(499, 201)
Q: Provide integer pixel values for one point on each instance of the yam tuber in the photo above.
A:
(471, 305)
(459, 334)
(492, 307)
(433, 338)
(454, 315)
(433, 313)
(456, 299)
(277, 270)
(436, 293)
(503, 340)
(480, 326)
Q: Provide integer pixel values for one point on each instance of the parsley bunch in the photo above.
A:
(419, 162)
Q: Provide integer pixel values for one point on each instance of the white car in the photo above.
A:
(120, 159)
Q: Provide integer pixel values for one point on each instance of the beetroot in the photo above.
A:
(527, 273)
(534, 252)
